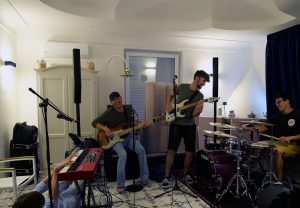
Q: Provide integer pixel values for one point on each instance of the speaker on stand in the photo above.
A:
(215, 91)
(77, 85)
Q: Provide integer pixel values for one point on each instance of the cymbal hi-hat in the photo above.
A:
(219, 133)
(222, 125)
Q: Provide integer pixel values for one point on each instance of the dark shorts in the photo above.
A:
(188, 133)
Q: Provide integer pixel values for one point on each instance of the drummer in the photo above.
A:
(287, 128)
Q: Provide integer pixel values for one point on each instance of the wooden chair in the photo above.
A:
(12, 181)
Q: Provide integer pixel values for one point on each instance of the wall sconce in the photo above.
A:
(7, 63)
(126, 72)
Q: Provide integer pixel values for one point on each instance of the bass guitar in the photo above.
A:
(182, 106)
(118, 131)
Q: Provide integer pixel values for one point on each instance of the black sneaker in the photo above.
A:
(77, 140)
(188, 180)
(166, 183)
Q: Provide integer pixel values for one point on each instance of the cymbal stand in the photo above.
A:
(270, 176)
(240, 182)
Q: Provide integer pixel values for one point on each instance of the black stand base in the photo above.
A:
(134, 188)
(175, 188)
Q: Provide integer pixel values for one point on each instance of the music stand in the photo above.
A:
(175, 187)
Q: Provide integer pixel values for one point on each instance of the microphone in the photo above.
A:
(61, 116)
(31, 90)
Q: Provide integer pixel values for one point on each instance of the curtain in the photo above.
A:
(283, 66)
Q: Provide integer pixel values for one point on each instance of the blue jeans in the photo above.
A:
(139, 149)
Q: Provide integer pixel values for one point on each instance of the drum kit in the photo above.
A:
(225, 165)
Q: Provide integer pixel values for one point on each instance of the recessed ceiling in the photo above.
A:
(240, 20)
(187, 15)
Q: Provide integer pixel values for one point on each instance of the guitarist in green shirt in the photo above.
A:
(185, 126)
(116, 119)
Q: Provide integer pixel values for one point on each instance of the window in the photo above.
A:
(148, 67)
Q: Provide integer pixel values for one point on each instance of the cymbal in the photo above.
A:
(263, 144)
(219, 133)
(222, 125)
(268, 143)
(256, 122)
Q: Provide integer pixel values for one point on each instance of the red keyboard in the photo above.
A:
(84, 165)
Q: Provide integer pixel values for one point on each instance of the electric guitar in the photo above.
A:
(118, 131)
(181, 106)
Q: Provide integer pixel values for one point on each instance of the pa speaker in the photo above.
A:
(275, 196)
(77, 75)
(215, 76)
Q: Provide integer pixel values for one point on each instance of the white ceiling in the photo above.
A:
(235, 20)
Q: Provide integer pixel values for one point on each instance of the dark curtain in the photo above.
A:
(283, 66)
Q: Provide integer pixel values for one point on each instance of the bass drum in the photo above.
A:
(214, 166)
(275, 196)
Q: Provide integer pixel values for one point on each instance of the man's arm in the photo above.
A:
(169, 106)
(104, 128)
(198, 108)
(261, 128)
(56, 170)
(289, 139)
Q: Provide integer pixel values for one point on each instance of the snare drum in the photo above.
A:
(259, 149)
(213, 165)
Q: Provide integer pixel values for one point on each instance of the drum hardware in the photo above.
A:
(249, 167)
(240, 182)
(270, 176)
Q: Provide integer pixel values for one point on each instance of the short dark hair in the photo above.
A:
(284, 96)
(113, 95)
(31, 199)
(201, 73)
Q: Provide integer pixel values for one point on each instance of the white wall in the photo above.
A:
(240, 68)
(9, 100)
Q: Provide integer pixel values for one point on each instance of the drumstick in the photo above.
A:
(269, 136)
(272, 137)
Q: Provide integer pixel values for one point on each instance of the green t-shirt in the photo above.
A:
(112, 118)
(185, 93)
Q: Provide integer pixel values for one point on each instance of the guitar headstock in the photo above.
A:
(212, 99)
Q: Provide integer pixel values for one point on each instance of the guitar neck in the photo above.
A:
(129, 130)
(139, 126)
(190, 105)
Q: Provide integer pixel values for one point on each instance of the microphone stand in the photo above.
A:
(175, 187)
(134, 187)
(44, 104)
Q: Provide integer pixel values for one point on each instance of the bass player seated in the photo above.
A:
(114, 120)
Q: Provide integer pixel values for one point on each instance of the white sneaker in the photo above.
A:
(166, 183)
(188, 180)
